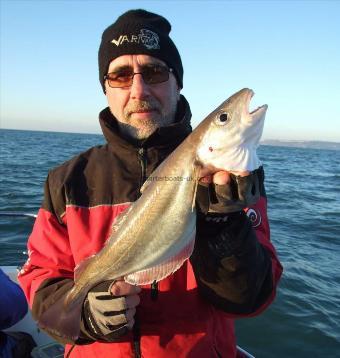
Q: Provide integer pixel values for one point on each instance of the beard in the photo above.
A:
(141, 128)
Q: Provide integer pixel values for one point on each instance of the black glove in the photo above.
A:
(238, 194)
(109, 309)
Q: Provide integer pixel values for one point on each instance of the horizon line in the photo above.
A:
(101, 134)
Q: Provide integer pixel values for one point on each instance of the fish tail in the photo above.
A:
(63, 318)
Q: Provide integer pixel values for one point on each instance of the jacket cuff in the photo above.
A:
(232, 269)
(223, 235)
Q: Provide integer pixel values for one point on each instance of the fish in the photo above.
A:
(156, 234)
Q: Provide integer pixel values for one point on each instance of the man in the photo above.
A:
(233, 271)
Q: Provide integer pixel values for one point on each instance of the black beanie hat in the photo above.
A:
(139, 32)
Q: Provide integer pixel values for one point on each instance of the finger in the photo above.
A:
(121, 319)
(115, 320)
(221, 178)
(114, 305)
(122, 288)
(101, 306)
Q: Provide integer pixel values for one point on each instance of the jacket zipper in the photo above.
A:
(136, 327)
(143, 164)
(136, 338)
(154, 286)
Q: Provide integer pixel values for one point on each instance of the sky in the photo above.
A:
(288, 52)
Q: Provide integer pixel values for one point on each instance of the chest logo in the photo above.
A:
(254, 216)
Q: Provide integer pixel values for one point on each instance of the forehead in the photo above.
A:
(133, 61)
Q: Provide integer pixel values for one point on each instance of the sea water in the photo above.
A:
(303, 189)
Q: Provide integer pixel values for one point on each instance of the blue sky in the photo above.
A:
(287, 51)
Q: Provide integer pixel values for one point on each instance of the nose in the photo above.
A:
(139, 89)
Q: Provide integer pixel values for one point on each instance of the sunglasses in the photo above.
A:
(152, 74)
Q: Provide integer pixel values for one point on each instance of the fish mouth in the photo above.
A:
(257, 112)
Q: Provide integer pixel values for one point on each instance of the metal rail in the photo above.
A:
(17, 213)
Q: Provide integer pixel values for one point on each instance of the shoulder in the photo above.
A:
(70, 182)
(94, 156)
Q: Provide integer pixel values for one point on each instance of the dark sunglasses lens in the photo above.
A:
(156, 74)
(151, 75)
(120, 78)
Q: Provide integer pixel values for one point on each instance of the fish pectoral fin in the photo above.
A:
(197, 170)
(159, 272)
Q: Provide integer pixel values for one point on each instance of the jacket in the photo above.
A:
(13, 306)
(232, 273)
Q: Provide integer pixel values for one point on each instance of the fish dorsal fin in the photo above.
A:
(159, 272)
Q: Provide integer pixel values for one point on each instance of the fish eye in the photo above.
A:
(222, 118)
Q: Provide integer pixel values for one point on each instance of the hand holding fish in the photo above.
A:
(225, 192)
(109, 309)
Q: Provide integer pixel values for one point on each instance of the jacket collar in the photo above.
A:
(164, 136)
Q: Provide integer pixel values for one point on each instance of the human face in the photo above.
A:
(141, 108)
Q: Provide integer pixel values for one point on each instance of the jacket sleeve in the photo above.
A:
(48, 273)
(235, 264)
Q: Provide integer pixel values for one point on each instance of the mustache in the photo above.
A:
(146, 105)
